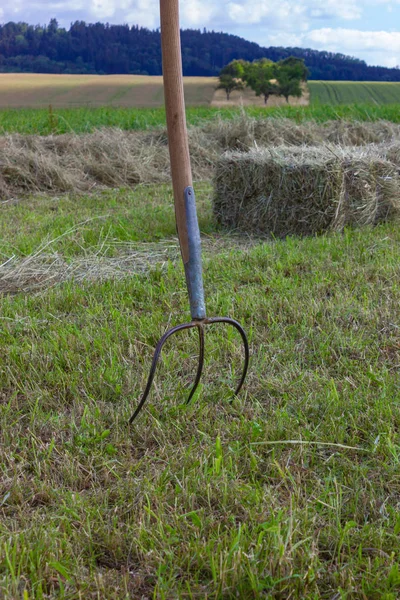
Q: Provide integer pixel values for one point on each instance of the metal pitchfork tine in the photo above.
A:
(184, 199)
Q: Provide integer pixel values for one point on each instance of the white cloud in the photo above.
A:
(378, 47)
(74, 5)
(353, 39)
(139, 12)
(289, 13)
(142, 12)
(257, 11)
(197, 13)
(330, 9)
(102, 9)
(375, 47)
(235, 15)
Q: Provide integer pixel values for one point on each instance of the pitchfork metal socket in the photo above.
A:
(194, 281)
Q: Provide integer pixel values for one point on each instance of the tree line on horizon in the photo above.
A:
(99, 48)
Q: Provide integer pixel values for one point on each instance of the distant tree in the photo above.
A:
(287, 86)
(52, 26)
(236, 68)
(261, 75)
(228, 84)
(290, 73)
(294, 68)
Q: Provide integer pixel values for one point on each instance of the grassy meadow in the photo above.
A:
(349, 92)
(87, 119)
(290, 490)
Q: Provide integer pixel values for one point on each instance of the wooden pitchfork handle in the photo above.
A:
(176, 118)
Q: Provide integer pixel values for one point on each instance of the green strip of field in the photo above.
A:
(85, 120)
(349, 92)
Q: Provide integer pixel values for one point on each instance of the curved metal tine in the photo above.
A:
(245, 345)
(200, 365)
(156, 358)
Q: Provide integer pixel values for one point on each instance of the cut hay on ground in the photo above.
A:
(303, 191)
(43, 269)
(115, 158)
(81, 163)
(245, 132)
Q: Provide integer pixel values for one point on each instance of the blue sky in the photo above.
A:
(368, 29)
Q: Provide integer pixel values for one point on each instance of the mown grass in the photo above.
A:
(348, 92)
(82, 120)
(292, 490)
(72, 225)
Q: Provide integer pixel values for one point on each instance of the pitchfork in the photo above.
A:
(184, 199)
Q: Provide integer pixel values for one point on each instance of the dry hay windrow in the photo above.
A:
(106, 158)
(116, 158)
(244, 132)
(303, 191)
(43, 269)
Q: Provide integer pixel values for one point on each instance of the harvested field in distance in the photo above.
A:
(349, 92)
(29, 90)
(35, 90)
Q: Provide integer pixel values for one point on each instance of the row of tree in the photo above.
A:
(264, 77)
(103, 48)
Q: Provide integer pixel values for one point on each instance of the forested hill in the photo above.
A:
(102, 48)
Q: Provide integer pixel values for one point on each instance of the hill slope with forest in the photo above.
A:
(119, 49)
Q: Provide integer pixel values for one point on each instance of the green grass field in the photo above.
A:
(84, 119)
(290, 491)
(349, 92)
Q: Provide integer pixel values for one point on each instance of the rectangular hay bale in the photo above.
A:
(303, 191)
